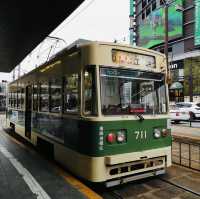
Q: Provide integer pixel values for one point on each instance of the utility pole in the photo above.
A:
(166, 34)
(166, 39)
(166, 5)
(190, 79)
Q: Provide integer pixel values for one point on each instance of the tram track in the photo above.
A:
(116, 195)
(180, 187)
(142, 190)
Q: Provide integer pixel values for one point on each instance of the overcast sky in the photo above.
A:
(103, 20)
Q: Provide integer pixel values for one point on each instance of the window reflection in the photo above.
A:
(15, 99)
(44, 97)
(35, 97)
(22, 97)
(56, 86)
(71, 96)
(9, 99)
(132, 92)
(90, 92)
(19, 97)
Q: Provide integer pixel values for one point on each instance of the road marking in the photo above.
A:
(78, 185)
(33, 185)
(89, 193)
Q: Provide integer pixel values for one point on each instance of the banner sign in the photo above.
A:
(151, 30)
(197, 23)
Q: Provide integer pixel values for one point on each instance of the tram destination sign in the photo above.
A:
(131, 74)
(130, 58)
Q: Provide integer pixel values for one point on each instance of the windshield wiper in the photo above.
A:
(141, 118)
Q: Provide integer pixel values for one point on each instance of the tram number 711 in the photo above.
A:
(140, 135)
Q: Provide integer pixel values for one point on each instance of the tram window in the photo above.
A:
(56, 95)
(19, 98)
(44, 97)
(15, 99)
(10, 99)
(35, 97)
(22, 98)
(148, 10)
(144, 3)
(153, 4)
(71, 96)
(90, 101)
(143, 15)
(132, 92)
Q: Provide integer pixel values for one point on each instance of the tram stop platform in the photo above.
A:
(186, 146)
(24, 174)
(186, 133)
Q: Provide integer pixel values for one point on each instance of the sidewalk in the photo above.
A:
(186, 132)
(26, 175)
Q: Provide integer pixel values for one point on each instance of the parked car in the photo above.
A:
(184, 111)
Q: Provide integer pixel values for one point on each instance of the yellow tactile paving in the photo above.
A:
(69, 178)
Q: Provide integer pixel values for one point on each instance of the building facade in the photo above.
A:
(147, 29)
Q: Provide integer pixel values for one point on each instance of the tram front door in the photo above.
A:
(28, 112)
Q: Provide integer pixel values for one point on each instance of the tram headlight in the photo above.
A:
(157, 133)
(121, 136)
(165, 132)
(111, 138)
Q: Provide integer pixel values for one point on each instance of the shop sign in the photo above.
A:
(176, 65)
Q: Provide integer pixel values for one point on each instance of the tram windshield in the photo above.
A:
(132, 92)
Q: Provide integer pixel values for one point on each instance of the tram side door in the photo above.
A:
(28, 112)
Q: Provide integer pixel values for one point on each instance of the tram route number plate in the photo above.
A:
(139, 135)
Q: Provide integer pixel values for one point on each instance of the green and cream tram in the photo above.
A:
(100, 108)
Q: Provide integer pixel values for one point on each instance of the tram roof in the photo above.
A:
(82, 42)
(24, 24)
